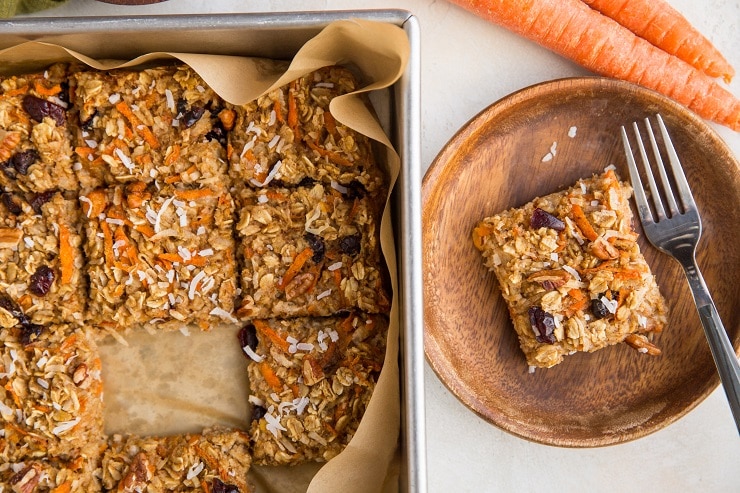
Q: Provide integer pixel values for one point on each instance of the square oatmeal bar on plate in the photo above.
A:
(572, 273)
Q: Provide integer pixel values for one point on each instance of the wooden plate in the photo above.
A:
(495, 162)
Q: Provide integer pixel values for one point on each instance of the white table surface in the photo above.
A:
(466, 65)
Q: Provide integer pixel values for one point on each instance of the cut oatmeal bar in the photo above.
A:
(308, 251)
(51, 397)
(162, 257)
(35, 149)
(572, 273)
(289, 135)
(52, 476)
(215, 461)
(41, 264)
(311, 380)
(160, 123)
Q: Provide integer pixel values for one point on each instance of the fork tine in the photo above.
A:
(655, 196)
(672, 207)
(646, 216)
(684, 192)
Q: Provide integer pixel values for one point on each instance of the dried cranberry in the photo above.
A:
(543, 325)
(350, 245)
(316, 243)
(307, 182)
(23, 160)
(38, 108)
(218, 486)
(258, 412)
(598, 308)
(543, 219)
(30, 332)
(40, 199)
(217, 133)
(355, 190)
(191, 117)
(41, 281)
(182, 107)
(12, 203)
(88, 124)
(248, 337)
(12, 307)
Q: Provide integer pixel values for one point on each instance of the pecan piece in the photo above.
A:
(25, 480)
(10, 237)
(603, 249)
(299, 285)
(642, 344)
(550, 279)
(312, 371)
(138, 476)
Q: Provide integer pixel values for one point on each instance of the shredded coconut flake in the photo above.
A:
(221, 313)
(339, 187)
(554, 257)
(642, 321)
(206, 252)
(270, 176)
(610, 305)
(547, 157)
(570, 270)
(334, 266)
(158, 218)
(253, 399)
(273, 424)
(572, 131)
(114, 98)
(609, 168)
(5, 410)
(254, 356)
(89, 204)
(115, 221)
(194, 284)
(194, 470)
(262, 199)
(65, 426)
(125, 160)
(170, 99)
(323, 294)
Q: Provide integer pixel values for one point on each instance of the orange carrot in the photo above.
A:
(662, 25)
(139, 127)
(274, 337)
(333, 156)
(272, 380)
(194, 194)
(42, 90)
(66, 255)
(583, 35)
(293, 111)
(582, 222)
(295, 267)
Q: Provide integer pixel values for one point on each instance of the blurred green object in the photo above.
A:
(9, 8)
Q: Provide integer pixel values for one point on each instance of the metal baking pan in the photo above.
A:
(280, 35)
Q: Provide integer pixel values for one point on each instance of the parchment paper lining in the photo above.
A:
(369, 463)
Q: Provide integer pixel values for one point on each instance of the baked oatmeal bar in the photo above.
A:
(160, 123)
(161, 257)
(289, 135)
(51, 397)
(215, 461)
(308, 251)
(35, 148)
(572, 273)
(41, 265)
(44, 475)
(311, 380)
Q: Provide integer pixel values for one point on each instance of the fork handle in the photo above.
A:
(719, 343)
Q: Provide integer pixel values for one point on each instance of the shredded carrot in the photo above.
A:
(173, 155)
(331, 124)
(585, 36)
(579, 300)
(293, 111)
(480, 232)
(98, 203)
(15, 92)
(582, 222)
(173, 179)
(627, 274)
(66, 255)
(68, 343)
(274, 337)
(278, 111)
(138, 127)
(229, 151)
(333, 156)
(107, 243)
(295, 267)
(662, 25)
(270, 377)
(42, 90)
(194, 194)
(144, 229)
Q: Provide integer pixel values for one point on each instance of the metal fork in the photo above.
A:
(677, 234)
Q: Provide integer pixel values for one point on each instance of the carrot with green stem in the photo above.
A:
(663, 26)
(583, 35)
